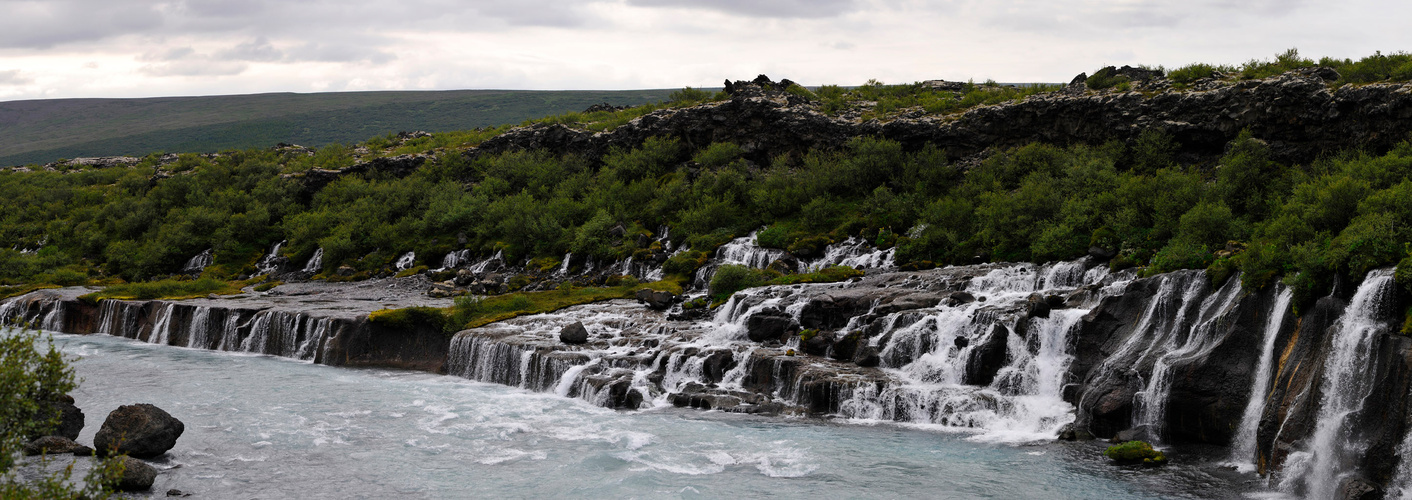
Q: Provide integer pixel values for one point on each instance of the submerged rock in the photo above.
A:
(140, 430)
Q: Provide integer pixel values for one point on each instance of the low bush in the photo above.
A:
(1135, 452)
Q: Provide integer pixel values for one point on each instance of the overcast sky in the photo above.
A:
(143, 48)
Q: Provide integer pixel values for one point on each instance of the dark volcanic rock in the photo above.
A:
(575, 333)
(867, 357)
(141, 430)
(988, 357)
(656, 299)
(137, 475)
(51, 445)
(769, 324)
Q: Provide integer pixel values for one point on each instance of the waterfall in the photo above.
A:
(1400, 487)
(162, 329)
(54, 321)
(406, 261)
(454, 259)
(856, 253)
(269, 264)
(746, 251)
(1243, 448)
(1330, 454)
(199, 335)
(481, 266)
(564, 267)
(1200, 340)
(198, 263)
(316, 262)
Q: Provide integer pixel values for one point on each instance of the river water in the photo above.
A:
(266, 427)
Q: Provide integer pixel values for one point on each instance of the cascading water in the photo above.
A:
(199, 262)
(270, 262)
(316, 262)
(1244, 446)
(454, 259)
(854, 252)
(563, 269)
(1401, 486)
(1201, 338)
(1330, 454)
(162, 329)
(406, 261)
(481, 266)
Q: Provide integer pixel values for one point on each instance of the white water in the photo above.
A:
(1244, 445)
(1401, 486)
(1201, 339)
(198, 262)
(1317, 470)
(455, 259)
(854, 252)
(406, 261)
(268, 263)
(316, 262)
(481, 266)
(564, 266)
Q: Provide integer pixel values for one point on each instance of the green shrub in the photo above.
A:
(1105, 78)
(685, 263)
(1185, 75)
(409, 318)
(731, 278)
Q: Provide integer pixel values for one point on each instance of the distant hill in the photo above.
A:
(41, 131)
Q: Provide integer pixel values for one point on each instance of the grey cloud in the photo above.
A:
(257, 50)
(43, 24)
(339, 53)
(763, 8)
(195, 67)
(13, 77)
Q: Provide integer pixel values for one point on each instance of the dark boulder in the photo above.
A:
(846, 347)
(656, 299)
(987, 358)
(957, 298)
(70, 418)
(575, 333)
(1036, 306)
(1359, 488)
(769, 324)
(911, 301)
(817, 344)
(715, 365)
(137, 475)
(51, 445)
(140, 430)
(867, 357)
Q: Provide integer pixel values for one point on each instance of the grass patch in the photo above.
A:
(730, 279)
(18, 290)
(166, 289)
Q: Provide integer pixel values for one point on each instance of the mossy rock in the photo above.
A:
(1136, 452)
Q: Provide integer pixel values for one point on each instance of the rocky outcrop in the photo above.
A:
(574, 334)
(1300, 115)
(140, 430)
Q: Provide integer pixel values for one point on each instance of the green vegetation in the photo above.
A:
(1375, 68)
(890, 100)
(30, 378)
(730, 278)
(139, 126)
(166, 289)
(1135, 452)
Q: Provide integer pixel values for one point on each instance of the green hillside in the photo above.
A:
(41, 131)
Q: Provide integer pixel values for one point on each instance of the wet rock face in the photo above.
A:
(140, 430)
(767, 325)
(656, 299)
(987, 357)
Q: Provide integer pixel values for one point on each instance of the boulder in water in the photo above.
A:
(70, 417)
(51, 445)
(867, 357)
(1036, 306)
(815, 342)
(656, 299)
(137, 475)
(846, 347)
(575, 333)
(140, 430)
(1359, 488)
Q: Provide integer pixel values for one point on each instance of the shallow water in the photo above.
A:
(267, 427)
